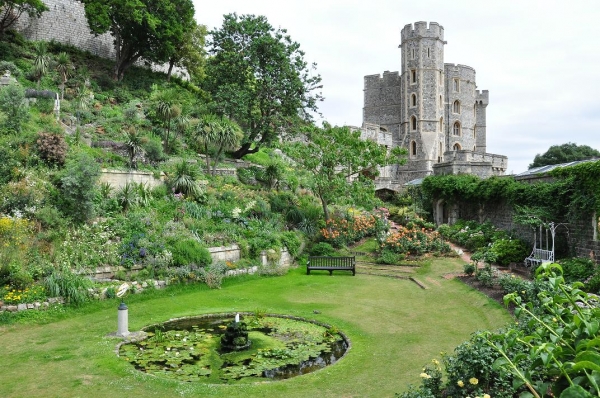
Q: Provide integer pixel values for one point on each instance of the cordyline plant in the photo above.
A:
(557, 343)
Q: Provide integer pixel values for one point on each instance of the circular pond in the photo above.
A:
(279, 347)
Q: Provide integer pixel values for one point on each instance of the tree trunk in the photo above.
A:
(244, 150)
(171, 64)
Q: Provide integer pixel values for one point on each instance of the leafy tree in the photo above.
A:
(257, 76)
(13, 111)
(190, 53)
(564, 153)
(11, 11)
(337, 161)
(148, 29)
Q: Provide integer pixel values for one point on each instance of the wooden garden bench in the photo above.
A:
(331, 264)
(539, 256)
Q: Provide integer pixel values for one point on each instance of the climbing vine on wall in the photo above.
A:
(573, 194)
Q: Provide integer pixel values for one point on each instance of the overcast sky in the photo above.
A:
(540, 59)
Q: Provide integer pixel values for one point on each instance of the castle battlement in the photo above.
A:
(482, 97)
(432, 109)
(421, 30)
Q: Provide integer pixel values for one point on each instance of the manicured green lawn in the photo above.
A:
(395, 328)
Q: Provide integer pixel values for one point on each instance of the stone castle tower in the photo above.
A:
(432, 109)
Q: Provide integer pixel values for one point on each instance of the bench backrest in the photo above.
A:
(324, 261)
(544, 255)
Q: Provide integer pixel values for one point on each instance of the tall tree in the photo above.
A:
(148, 29)
(340, 164)
(257, 76)
(190, 53)
(564, 153)
(11, 11)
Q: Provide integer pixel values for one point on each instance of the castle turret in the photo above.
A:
(482, 99)
(422, 80)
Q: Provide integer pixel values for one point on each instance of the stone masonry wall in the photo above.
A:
(65, 22)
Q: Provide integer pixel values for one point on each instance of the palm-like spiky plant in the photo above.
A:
(184, 180)
(134, 143)
(41, 61)
(206, 131)
(65, 68)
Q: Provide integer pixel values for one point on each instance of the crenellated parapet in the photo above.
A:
(421, 30)
(482, 98)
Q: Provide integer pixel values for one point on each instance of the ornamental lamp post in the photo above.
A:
(123, 312)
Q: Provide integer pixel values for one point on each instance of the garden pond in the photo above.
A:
(189, 349)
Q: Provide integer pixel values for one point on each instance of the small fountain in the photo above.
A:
(236, 336)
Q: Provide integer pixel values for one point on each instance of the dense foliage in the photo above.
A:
(258, 77)
(564, 153)
(154, 30)
(552, 349)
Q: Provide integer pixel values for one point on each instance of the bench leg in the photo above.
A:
(353, 273)
(330, 272)
(308, 271)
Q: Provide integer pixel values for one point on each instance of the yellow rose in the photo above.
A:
(473, 381)
(460, 383)
(486, 396)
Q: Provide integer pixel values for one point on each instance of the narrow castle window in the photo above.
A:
(456, 106)
(413, 100)
(441, 78)
(413, 76)
(456, 85)
(413, 53)
(413, 148)
(441, 151)
(456, 147)
(413, 123)
(441, 127)
(428, 54)
(456, 128)
(441, 102)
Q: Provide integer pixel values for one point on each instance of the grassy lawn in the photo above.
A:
(395, 328)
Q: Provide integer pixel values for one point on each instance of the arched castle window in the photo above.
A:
(456, 106)
(441, 125)
(413, 123)
(473, 148)
(456, 85)
(456, 128)
(456, 147)
(413, 76)
(413, 148)
(413, 100)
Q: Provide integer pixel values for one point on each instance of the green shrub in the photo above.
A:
(577, 269)
(292, 242)
(485, 277)
(469, 269)
(322, 249)
(12, 105)
(190, 251)
(78, 187)
(389, 257)
(509, 251)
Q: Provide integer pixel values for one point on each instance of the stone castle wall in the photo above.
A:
(65, 22)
